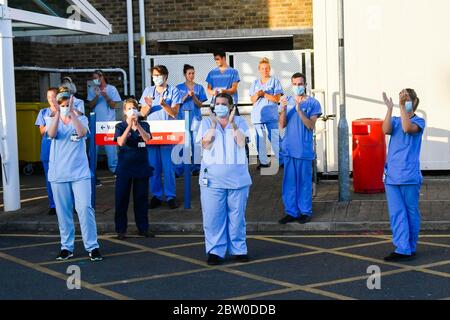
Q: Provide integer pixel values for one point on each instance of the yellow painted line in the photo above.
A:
(382, 262)
(362, 245)
(23, 235)
(442, 245)
(231, 271)
(287, 284)
(356, 278)
(154, 277)
(63, 277)
(344, 236)
(29, 200)
(177, 246)
(31, 246)
(160, 252)
(117, 254)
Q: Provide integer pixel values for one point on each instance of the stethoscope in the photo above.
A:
(164, 95)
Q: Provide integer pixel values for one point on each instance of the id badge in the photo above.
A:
(74, 137)
(205, 182)
(141, 145)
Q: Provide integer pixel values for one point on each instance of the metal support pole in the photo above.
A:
(187, 160)
(92, 156)
(131, 47)
(142, 40)
(8, 123)
(343, 144)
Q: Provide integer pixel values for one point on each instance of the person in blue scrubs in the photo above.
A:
(44, 115)
(265, 94)
(103, 99)
(78, 104)
(161, 102)
(70, 176)
(298, 115)
(133, 170)
(224, 182)
(193, 97)
(403, 178)
(223, 79)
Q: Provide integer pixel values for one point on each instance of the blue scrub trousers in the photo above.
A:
(195, 159)
(111, 155)
(66, 194)
(51, 202)
(261, 129)
(140, 200)
(160, 158)
(224, 220)
(297, 186)
(404, 214)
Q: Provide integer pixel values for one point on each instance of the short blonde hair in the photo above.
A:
(264, 61)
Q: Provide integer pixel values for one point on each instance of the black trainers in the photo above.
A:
(287, 219)
(394, 257)
(64, 255)
(214, 260)
(146, 234)
(155, 203)
(242, 258)
(172, 204)
(263, 166)
(95, 255)
(304, 219)
(52, 212)
(121, 236)
(98, 183)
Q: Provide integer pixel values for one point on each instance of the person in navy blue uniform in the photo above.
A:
(133, 170)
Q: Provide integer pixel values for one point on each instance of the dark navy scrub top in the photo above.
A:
(133, 156)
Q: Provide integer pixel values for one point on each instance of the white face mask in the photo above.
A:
(96, 82)
(132, 112)
(158, 80)
(64, 111)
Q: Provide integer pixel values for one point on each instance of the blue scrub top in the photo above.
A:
(226, 163)
(298, 140)
(46, 142)
(68, 156)
(133, 156)
(189, 104)
(225, 80)
(103, 111)
(403, 161)
(171, 96)
(265, 110)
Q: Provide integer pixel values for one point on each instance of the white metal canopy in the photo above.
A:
(32, 18)
(55, 17)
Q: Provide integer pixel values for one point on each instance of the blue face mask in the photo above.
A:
(299, 90)
(221, 110)
(409, 106)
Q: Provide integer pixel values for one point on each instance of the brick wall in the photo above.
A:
(188, 15)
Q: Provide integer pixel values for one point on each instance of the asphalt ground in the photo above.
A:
(173, 267)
